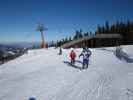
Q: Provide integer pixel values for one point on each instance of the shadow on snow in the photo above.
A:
(73, 65)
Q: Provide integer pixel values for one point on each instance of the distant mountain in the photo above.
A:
(7, 46)
(4, 47)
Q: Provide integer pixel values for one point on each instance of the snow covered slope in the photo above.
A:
(42, 74)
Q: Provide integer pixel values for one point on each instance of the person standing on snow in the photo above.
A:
(60, 51)
(72, 56)
(86, 54)
(118, 51)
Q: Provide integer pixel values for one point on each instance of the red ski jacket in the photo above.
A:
(72, 55)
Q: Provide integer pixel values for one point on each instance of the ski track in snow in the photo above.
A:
(42, 73)
(90, 89)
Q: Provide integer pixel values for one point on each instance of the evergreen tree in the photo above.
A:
(107, 28)
(112, 29)
(90, 34)
(76, 35)
(99, 29)
(80, 33)
(117, 27)
(103, 29)
(66, 40)
(70, 39)
(86, 34)
(128, 26)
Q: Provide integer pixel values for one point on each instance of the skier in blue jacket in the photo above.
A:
(85, 54)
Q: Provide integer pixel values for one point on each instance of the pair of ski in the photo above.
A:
(74, 66)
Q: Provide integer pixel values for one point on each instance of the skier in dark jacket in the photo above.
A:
(72, 56)
(118, 52)
(85, 54)
(60, 51)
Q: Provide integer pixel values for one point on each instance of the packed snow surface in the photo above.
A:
(43, 75)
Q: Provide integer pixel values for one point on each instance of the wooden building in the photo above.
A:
(98, 40)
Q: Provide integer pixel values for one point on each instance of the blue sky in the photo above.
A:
(19, 18)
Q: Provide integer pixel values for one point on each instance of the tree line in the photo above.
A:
(78, 34)
(125, 29)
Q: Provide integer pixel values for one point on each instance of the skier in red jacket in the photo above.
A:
(72, 56)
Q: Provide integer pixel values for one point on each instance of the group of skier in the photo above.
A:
(86, 53)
